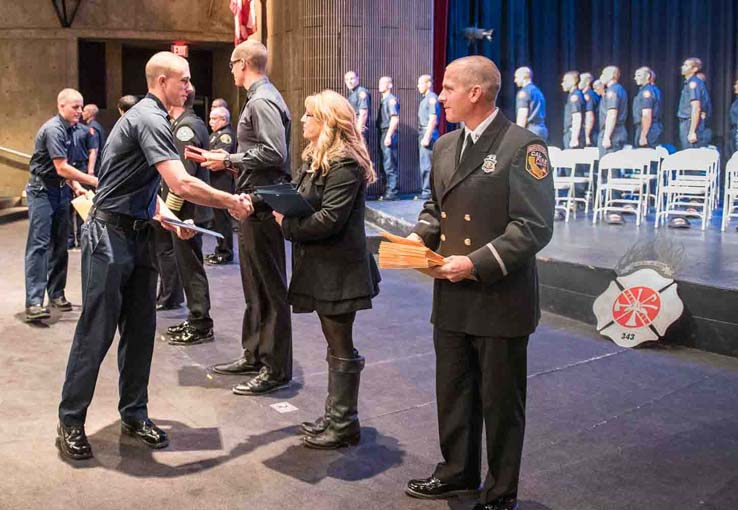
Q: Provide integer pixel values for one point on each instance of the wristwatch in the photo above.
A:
(227, 162)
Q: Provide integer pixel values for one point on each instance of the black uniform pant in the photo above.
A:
(118, 292)
(170, 292)
(480, 380)
(222, 224)
(704, 135)
(188, 254)
(267, 327)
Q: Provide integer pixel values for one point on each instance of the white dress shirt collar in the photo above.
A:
(481, 128)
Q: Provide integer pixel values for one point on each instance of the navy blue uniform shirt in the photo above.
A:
(531, 97)
(615, 97)
(53, 141)
(388, 108)
(428, 106)
(648, 98)
(734, 113)
(694, 90)
(360, 99)
(128, 182)
(575, 103)
(83, 139)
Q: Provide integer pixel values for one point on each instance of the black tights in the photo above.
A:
(338, 332)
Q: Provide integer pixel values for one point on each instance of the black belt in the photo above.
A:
(49, 182)
(120, 220)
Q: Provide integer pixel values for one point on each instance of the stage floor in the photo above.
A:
(710, 257)
(608, 428)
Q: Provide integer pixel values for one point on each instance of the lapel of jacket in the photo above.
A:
(474, 156)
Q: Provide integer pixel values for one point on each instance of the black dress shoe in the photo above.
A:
(192, 336)
(507, 503)
(61, 304)
(164, 306)
(239, 367)
(72, 442)
(178, 328)
(260, 385)
(36, 313)
(146, 432)
(217, 260)
(433, 488)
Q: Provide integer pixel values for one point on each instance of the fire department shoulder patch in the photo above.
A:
(225, 138)
(692, 84)
(536, 161)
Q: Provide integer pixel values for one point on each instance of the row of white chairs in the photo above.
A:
(685, 183)
(731, 191)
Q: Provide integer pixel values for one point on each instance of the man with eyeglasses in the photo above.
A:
(263, 158)
(48, 208)
(222, 137)
(119, 280)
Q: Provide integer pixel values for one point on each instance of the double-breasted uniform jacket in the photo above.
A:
(189, 129)
(495, 206)
(330, 260)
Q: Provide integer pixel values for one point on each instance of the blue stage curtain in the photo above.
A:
(554, 36)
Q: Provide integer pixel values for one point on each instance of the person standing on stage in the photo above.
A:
(262, 159)
(646, 111)
(573, 111)
(333, 273)
(591, 109)
(733, 133)
(491, 211)
(189, 129)
(388, 122)
(48, 199)
(360, 99)
(613, 112)
(695, 107)
(119, 284)
(530, 105)
(222, 138)
(429, 114)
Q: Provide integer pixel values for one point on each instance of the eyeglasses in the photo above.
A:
(233, 62)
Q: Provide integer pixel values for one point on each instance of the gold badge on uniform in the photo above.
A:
(225, 138)
(489, 164)
(536, 161)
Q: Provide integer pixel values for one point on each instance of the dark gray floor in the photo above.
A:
(709, 256)
(608, 429)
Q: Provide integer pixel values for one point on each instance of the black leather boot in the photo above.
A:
(313, 428)
(343, 427)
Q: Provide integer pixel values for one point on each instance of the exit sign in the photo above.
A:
(180, 49)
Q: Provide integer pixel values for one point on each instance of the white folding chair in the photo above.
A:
(654, 164)
(562, 168)
(731, 191)
(612, 179)
(689, 185)
(586, 158)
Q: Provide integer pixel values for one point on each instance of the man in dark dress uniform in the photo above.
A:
(119, 284)
(82, 156)
(189, 129)
(695, 107)
(490, 212)
(360, 99)
(262, 159)
(48, 208)
(222, 138)
(646, 110)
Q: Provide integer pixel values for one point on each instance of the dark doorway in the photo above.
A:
(91, 65)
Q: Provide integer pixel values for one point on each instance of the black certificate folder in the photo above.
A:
(285, 199)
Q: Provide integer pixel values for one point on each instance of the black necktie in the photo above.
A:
(467, 145)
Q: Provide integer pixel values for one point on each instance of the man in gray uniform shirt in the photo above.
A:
(263, 158)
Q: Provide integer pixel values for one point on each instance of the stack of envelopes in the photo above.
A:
(403, 253)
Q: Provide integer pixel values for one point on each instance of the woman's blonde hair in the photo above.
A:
(339, 137)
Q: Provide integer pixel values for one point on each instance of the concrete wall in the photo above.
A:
(38, 58)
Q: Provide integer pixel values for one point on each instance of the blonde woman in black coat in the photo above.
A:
(333, 273)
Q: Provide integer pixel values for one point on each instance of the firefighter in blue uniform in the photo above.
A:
(613, 112)
(733, 134)
(574, 110)
(646, 111)
(530, 105)
(388, 122)
(119, 284)
(591, 108)
(429, 113)
(695, 107)
(82, 155)
(48, 208)
(360, 99)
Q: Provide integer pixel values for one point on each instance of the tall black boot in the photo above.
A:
(313, 428)
(342, 415)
